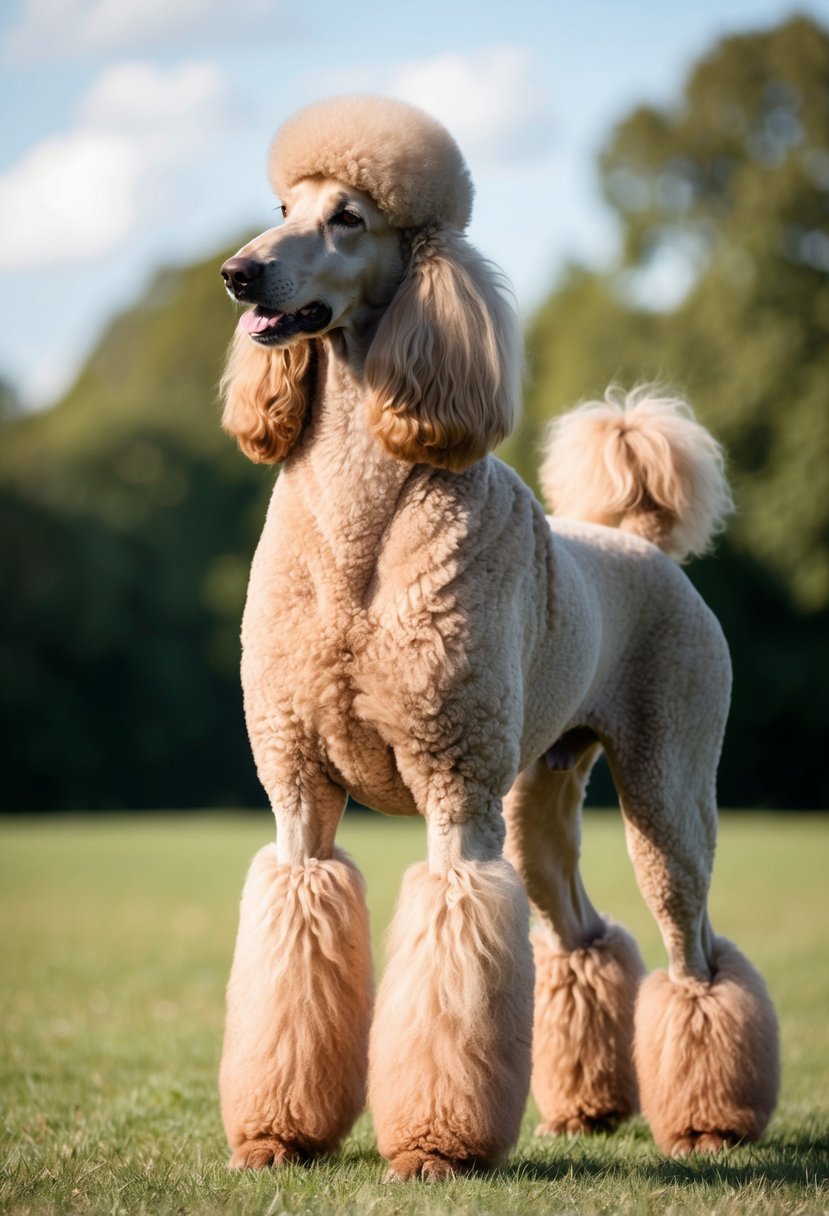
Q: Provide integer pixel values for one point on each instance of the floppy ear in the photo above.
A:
(266, 393)
(444, 367)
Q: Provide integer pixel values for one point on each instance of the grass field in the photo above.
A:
(116, 942)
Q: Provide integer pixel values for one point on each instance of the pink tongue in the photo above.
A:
(254, 322)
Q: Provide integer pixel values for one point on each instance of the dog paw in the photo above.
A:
(580, 1124)
(259, 1154)
(432, 1167)
(702, 1143)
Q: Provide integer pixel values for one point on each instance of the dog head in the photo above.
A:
(375, 196)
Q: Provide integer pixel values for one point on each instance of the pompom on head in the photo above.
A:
(406, 160)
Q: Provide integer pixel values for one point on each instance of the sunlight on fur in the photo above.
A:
(640, 462)
(266, 394)
(419, 635)
(583, 1076)
(707, 1055)
(445, 365)
(299, 1003)
(450, 1048)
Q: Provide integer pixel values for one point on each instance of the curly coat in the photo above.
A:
(418, 635)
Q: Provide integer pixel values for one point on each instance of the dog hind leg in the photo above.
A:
(294, 1062)
(706, 1041)
(450, 1044)
(587, 970)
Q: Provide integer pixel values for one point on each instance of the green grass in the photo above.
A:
(116, 942)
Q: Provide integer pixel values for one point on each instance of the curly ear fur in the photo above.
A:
(266, 394)
(444, 368)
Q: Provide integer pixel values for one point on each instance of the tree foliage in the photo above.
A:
(730, 191)
(127, 520)
(127, 523)
(738, 177)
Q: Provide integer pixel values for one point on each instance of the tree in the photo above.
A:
(9, 401)
(127, 523)
(732, 187)
(738, 177)
(127, 520)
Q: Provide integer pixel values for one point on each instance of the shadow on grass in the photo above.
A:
(793, 1159)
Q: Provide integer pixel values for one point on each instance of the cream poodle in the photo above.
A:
(419, 635)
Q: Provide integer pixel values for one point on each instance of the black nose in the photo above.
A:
(239, 273)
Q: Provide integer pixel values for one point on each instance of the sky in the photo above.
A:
(134, 133)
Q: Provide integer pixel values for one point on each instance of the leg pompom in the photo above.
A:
(293, 1071)
(450, 1044)
(583, 1076)
(707, 1055)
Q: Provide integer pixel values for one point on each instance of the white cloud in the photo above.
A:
(68, 198)
(167, 113)
(491, 100)
(78, 195)
(59, 28)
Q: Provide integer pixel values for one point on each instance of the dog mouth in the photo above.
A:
(268, 327)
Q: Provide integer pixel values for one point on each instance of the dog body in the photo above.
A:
(419, 635)
(383, 604)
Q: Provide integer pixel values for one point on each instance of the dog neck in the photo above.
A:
(346, 480)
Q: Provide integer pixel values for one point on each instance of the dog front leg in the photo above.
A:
(294, 1062)
(450, 1044)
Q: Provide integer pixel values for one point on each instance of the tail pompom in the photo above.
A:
(641, 462)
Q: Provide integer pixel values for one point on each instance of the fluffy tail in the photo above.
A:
(640, 462)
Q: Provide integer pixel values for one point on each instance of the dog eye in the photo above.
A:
(346, 218)
(284, 211)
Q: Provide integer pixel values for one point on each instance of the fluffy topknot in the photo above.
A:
(408, 163)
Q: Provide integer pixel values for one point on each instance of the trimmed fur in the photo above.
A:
(405, 160)
(639, 462)
(418, 634)
(299, 998)
(707, 1055)
(583, 1077)
(450, 1044)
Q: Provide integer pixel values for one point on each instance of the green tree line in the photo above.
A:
(127, 520)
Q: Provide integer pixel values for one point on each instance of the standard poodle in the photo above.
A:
(419, 635)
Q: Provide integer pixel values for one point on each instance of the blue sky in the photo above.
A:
(135, 132)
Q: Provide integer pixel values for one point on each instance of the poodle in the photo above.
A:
(419, 635)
